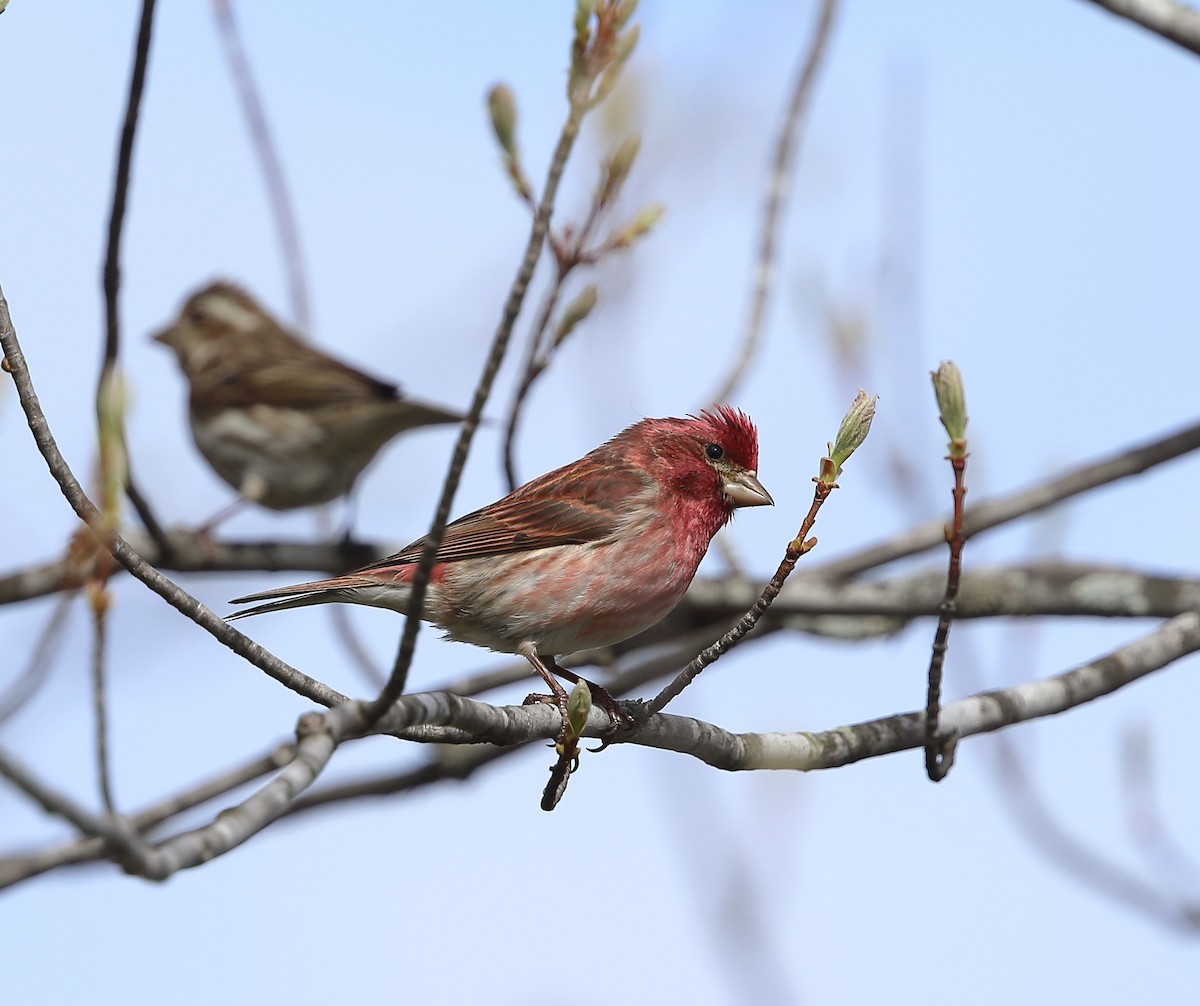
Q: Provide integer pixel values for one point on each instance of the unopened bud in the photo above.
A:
(624, 12)
(110, 410)
(850, 435)
(583, 35)
(952, 403)
(502, 106)
(642, 223)
(617, 169)
(576, 311)
(579, 708)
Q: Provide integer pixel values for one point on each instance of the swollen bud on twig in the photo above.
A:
(642, 223)
(579, 708)
(583, 35)
(952, 405)
(612, 73)
(617, 169)
(625, 11)
(502, 106)
(576, 311)
(850, 435)
(110, 407)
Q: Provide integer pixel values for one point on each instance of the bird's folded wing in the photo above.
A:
(556, 509)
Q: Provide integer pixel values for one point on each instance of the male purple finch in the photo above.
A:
(583, 556)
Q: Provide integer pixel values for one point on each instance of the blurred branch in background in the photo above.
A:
(778, 182)
(268, 159)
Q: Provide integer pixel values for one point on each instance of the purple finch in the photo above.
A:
(283, 423)
(584, 556)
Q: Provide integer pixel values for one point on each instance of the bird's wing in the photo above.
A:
(288, 373)
(570, 506)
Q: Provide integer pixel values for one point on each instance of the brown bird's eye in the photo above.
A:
(197, 316)
(714, 451)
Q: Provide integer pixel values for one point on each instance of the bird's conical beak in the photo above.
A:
(745, 490)
(165, 336)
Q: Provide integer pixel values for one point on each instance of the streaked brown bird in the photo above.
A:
(283, 423)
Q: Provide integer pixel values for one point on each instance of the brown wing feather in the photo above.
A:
(277, 369)
(563, 507)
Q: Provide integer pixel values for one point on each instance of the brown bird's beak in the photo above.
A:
(165, 337)
(745, 490)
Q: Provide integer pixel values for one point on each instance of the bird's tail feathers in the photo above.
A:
(298, 595)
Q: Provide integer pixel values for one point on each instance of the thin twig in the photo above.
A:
(570, 251)
(949, 391)
(939, 751)
(37, 671)
(1175, 867)
(797, 547)
(114, 832)
(100, 706)
(851, 434)
(1074, 857)
(269, 162)
(776, 193)
(420, 581)
(1174, 21)
(530, 372)
(15, 868)
(112, 257)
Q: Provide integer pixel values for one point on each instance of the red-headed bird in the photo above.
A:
(584, 556)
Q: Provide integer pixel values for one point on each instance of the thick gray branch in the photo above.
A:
(473, 722)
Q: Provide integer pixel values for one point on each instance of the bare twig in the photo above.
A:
(570, 251)
(100, 706)
(776, 193)
(1175, 867)
(530, 372)
(1076, 858)
(420, 582)
(269, 162)
(114, 832)
(16, 868)
(112, 258)
(1174, 21)
(36, 672)
(797, 547)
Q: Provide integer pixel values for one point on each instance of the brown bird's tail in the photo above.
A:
(298, 595)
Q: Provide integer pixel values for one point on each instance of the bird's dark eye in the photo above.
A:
(714, 451)
(197, 316)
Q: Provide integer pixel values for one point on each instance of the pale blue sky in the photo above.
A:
(1058, 220)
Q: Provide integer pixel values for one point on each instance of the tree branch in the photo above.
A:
(1176, 22)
